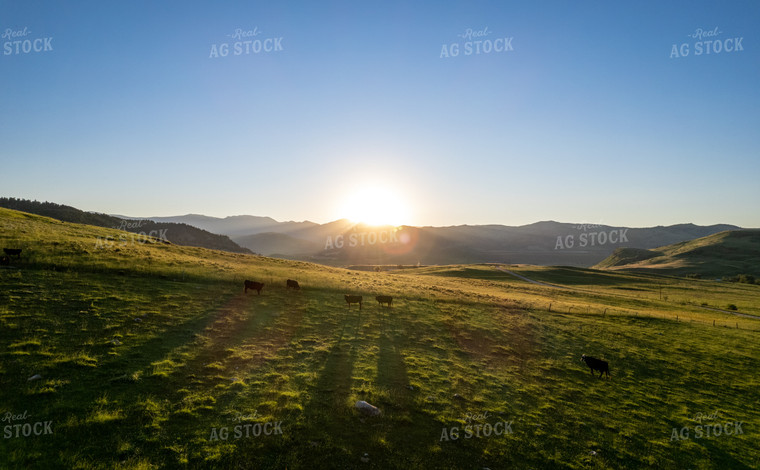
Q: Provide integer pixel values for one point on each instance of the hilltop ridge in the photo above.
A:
(179, 233)
(727, 253)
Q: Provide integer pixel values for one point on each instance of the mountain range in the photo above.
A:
(344, 243)
(542, 243)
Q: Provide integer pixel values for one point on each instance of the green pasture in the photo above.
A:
(142, 352)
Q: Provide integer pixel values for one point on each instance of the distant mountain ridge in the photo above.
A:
(236, 225)
(342, 242)
(177, 233)
(542, 243)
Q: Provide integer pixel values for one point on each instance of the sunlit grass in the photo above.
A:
(194, 353)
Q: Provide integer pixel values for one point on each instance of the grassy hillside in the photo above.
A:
(180, 234)
(722, 254)
(140, 353)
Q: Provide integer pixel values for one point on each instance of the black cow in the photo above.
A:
(384, 299)
(353, 299)
(257, 286)
(13, 252)
(291, 283)
(596, 364)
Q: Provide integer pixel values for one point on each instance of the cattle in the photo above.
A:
(384, 299)
(353, 299)
(13, 252)
(257, 286)
(596, 364)
(291, 283)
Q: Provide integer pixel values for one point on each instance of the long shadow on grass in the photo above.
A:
(244, 333)
(87, 382)
(328, 417)
(256, 342)
(230, 319)
(335, 435)
(326, 401)
(391, 369)
(141, 357)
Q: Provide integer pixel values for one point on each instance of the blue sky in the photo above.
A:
(587, 119)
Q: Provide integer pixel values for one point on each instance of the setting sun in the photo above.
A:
(376, 205)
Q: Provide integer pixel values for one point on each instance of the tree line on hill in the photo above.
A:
(177, 233)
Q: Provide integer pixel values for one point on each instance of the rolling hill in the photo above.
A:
(178, 233)
(728, 253)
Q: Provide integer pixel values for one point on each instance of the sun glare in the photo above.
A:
(376, 205)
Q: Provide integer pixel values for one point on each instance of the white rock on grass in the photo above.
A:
(366, 408)
(34, 377)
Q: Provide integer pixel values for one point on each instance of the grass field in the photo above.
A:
(150, 355)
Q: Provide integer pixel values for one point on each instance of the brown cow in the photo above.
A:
(597, 364)
(353, 299)
(257, 286)
(291, 283)
(384, 299)
(13, 252)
